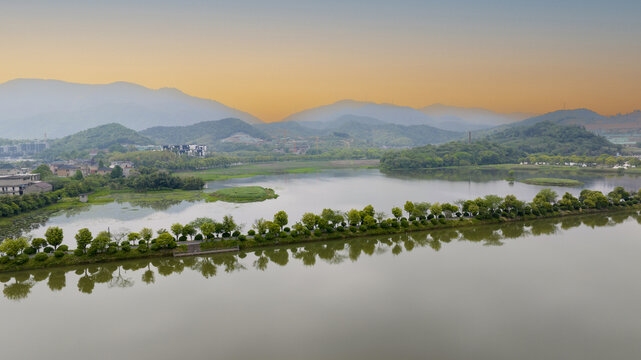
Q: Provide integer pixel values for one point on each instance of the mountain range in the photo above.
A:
(29, 108)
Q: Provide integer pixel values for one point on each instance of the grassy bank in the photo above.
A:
(552, 182)
(277, 168)
(243, 194)
(288, 238)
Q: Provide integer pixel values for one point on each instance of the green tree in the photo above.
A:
(189, 230)
(44, 171)
(13, 247)
(309, 219)
(54, 236)
(83, 238)
(177, 229)
(146, 234)
(100, 242)
(78, 175)
(260, 225)
(354, 217)
(116, 172)
(229, 225)
(436, 209)
(280, 218)
(38, 243)
(397, 212)
(409, 207)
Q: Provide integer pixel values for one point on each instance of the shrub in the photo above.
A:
(353, 229)
(242, 237)
(48, 250)
(318, 232)
(287, 229)
(416, 223)
(283, 235)
(126, 247)
(295, 233)
(362, 228)
(433, 221)
(4, 259)
(143, 248)
(226, 235)
(235, 233)
(29, 250)
(63, 248)
(430, 217)
(269, 236)
(258, 238)
(198, 237)
(442, 220)
(58, 253)
(251, 232)
(424, 222)
(384, 224)
(182, 238)
(412, 218)
(340, 228)
(78, 252)
(41, 257)
(21, 259)
(330, 230)
(405, 223)
(155, 247)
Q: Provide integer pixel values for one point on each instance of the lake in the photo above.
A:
(342, 189)
(546, 289)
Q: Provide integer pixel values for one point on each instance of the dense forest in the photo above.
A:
(508, 146)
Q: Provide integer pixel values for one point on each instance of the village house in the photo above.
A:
(20, 184)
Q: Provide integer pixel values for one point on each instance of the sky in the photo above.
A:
(274, 58)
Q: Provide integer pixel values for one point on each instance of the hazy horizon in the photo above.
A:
(276, 59)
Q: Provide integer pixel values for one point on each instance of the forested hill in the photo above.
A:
(554, 139)
(105, 137)
(507, 146)
(206, 132)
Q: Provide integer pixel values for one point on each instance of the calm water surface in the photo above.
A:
(548, 289)
(300, 193)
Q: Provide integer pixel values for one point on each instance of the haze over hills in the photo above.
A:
(466, 119)
(31, 107)
(393, 114)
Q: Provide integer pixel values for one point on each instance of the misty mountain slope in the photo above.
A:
(469, 119)
(30, 107)
(207, 132)
(393, 114)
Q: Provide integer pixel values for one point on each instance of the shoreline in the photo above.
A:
(69, 259)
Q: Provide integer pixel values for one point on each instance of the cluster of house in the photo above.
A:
(70, 168)
(20, 184)
(189, 150)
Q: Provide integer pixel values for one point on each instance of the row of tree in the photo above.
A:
(328, 221)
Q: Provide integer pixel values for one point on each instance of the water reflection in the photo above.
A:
(18, 286)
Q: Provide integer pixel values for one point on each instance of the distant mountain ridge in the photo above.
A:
(31, 107)
(206, 132)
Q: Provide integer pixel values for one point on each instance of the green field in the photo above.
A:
(552, 182)
(277, 168)
(243, 194)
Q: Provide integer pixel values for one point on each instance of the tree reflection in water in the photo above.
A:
(18, 286)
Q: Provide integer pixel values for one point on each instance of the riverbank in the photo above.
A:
(257, 242)
(278, 168)
(551, 182)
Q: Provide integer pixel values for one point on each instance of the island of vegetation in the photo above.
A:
(552, 182)
(243, 194)
(205, 234)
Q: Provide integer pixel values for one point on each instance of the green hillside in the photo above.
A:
(506, 146)
(105, 137)
(204, 133)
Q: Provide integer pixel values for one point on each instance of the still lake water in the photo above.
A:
(548, 289)
(299, 193)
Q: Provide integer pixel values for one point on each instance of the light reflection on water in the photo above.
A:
(554, 288)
